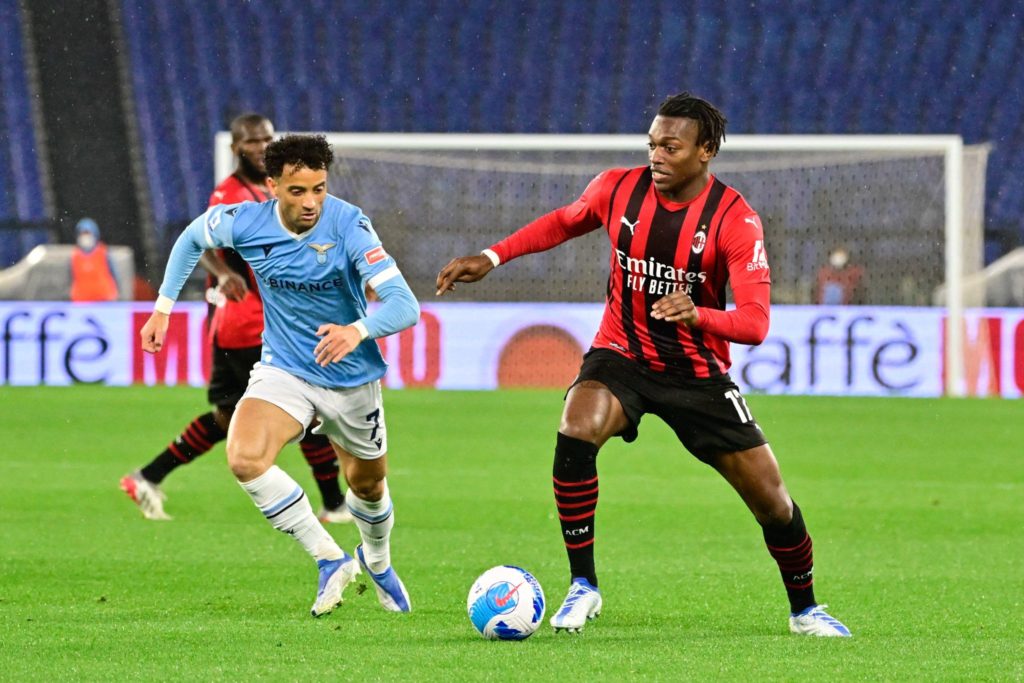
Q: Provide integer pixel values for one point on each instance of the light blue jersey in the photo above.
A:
(306, 281)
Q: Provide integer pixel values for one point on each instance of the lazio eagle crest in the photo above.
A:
(321, 251)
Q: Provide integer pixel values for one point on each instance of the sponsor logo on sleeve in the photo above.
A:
(213, 219)
(375, 255)
(759, 261)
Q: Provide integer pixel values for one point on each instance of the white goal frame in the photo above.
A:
(950, 147)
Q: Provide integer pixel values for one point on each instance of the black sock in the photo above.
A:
(575, 482)
(790, 545)
(324, 462)
(198, 438)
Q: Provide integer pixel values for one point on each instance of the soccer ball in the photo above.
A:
(505, 603)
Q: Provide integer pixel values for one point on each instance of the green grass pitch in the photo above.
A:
(916, 508)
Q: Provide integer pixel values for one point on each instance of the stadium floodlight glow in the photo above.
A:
(906, 198)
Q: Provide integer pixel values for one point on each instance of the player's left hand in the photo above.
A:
(336, 343)
(676, 307)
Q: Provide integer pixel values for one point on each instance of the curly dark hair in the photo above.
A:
(710, 121)
(303, 151)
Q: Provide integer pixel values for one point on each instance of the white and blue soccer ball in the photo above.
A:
(506, 603)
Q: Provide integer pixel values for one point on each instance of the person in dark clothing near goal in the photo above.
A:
(236, 326)
(678, 236)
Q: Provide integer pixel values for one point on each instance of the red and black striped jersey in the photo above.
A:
(238, 324)
(658, 247)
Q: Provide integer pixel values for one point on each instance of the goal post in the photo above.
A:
(908, 207)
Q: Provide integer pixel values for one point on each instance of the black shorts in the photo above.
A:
(709, 416)
(229, 375)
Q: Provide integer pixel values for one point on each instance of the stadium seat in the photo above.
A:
(596, 67)
(22, 196)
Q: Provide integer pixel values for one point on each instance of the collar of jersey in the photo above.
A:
(297, 238)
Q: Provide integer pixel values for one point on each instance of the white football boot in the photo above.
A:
(146, 495)
(391, 592)
(815, 621)
(582, 603)
(338, 515)
(335, 575)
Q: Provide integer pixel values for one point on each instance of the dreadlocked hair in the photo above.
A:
(710, 121)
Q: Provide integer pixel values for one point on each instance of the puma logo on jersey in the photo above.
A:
(321, 251)
(631, 226)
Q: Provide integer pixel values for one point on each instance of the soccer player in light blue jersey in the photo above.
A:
(313, 255)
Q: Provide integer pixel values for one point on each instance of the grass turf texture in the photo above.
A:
(914, 505)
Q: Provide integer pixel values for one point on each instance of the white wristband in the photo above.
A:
(363, 332)
(493, 256)
(163, 304)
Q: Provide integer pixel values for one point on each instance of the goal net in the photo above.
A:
(908, 209)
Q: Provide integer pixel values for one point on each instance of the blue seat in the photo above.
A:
(22, 196)
(577, 66)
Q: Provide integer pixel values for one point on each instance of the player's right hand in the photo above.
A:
(154, 332)
(232, 285)
(463, 269)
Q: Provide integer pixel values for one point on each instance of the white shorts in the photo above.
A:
(353, 418)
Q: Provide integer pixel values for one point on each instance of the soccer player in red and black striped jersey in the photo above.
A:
(678, 236)
(235, 327)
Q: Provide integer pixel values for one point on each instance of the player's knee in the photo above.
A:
(775, 514)
(245, 461)
(366, 487)
(588, 430)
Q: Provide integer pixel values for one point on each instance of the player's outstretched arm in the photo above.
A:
(463, 269)
(154, 332)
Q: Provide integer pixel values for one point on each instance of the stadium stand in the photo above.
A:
(21, 196)
(833, 66)
(22, 206)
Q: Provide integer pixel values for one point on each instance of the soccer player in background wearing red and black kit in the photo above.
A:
(235, 326)
(678, 236)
